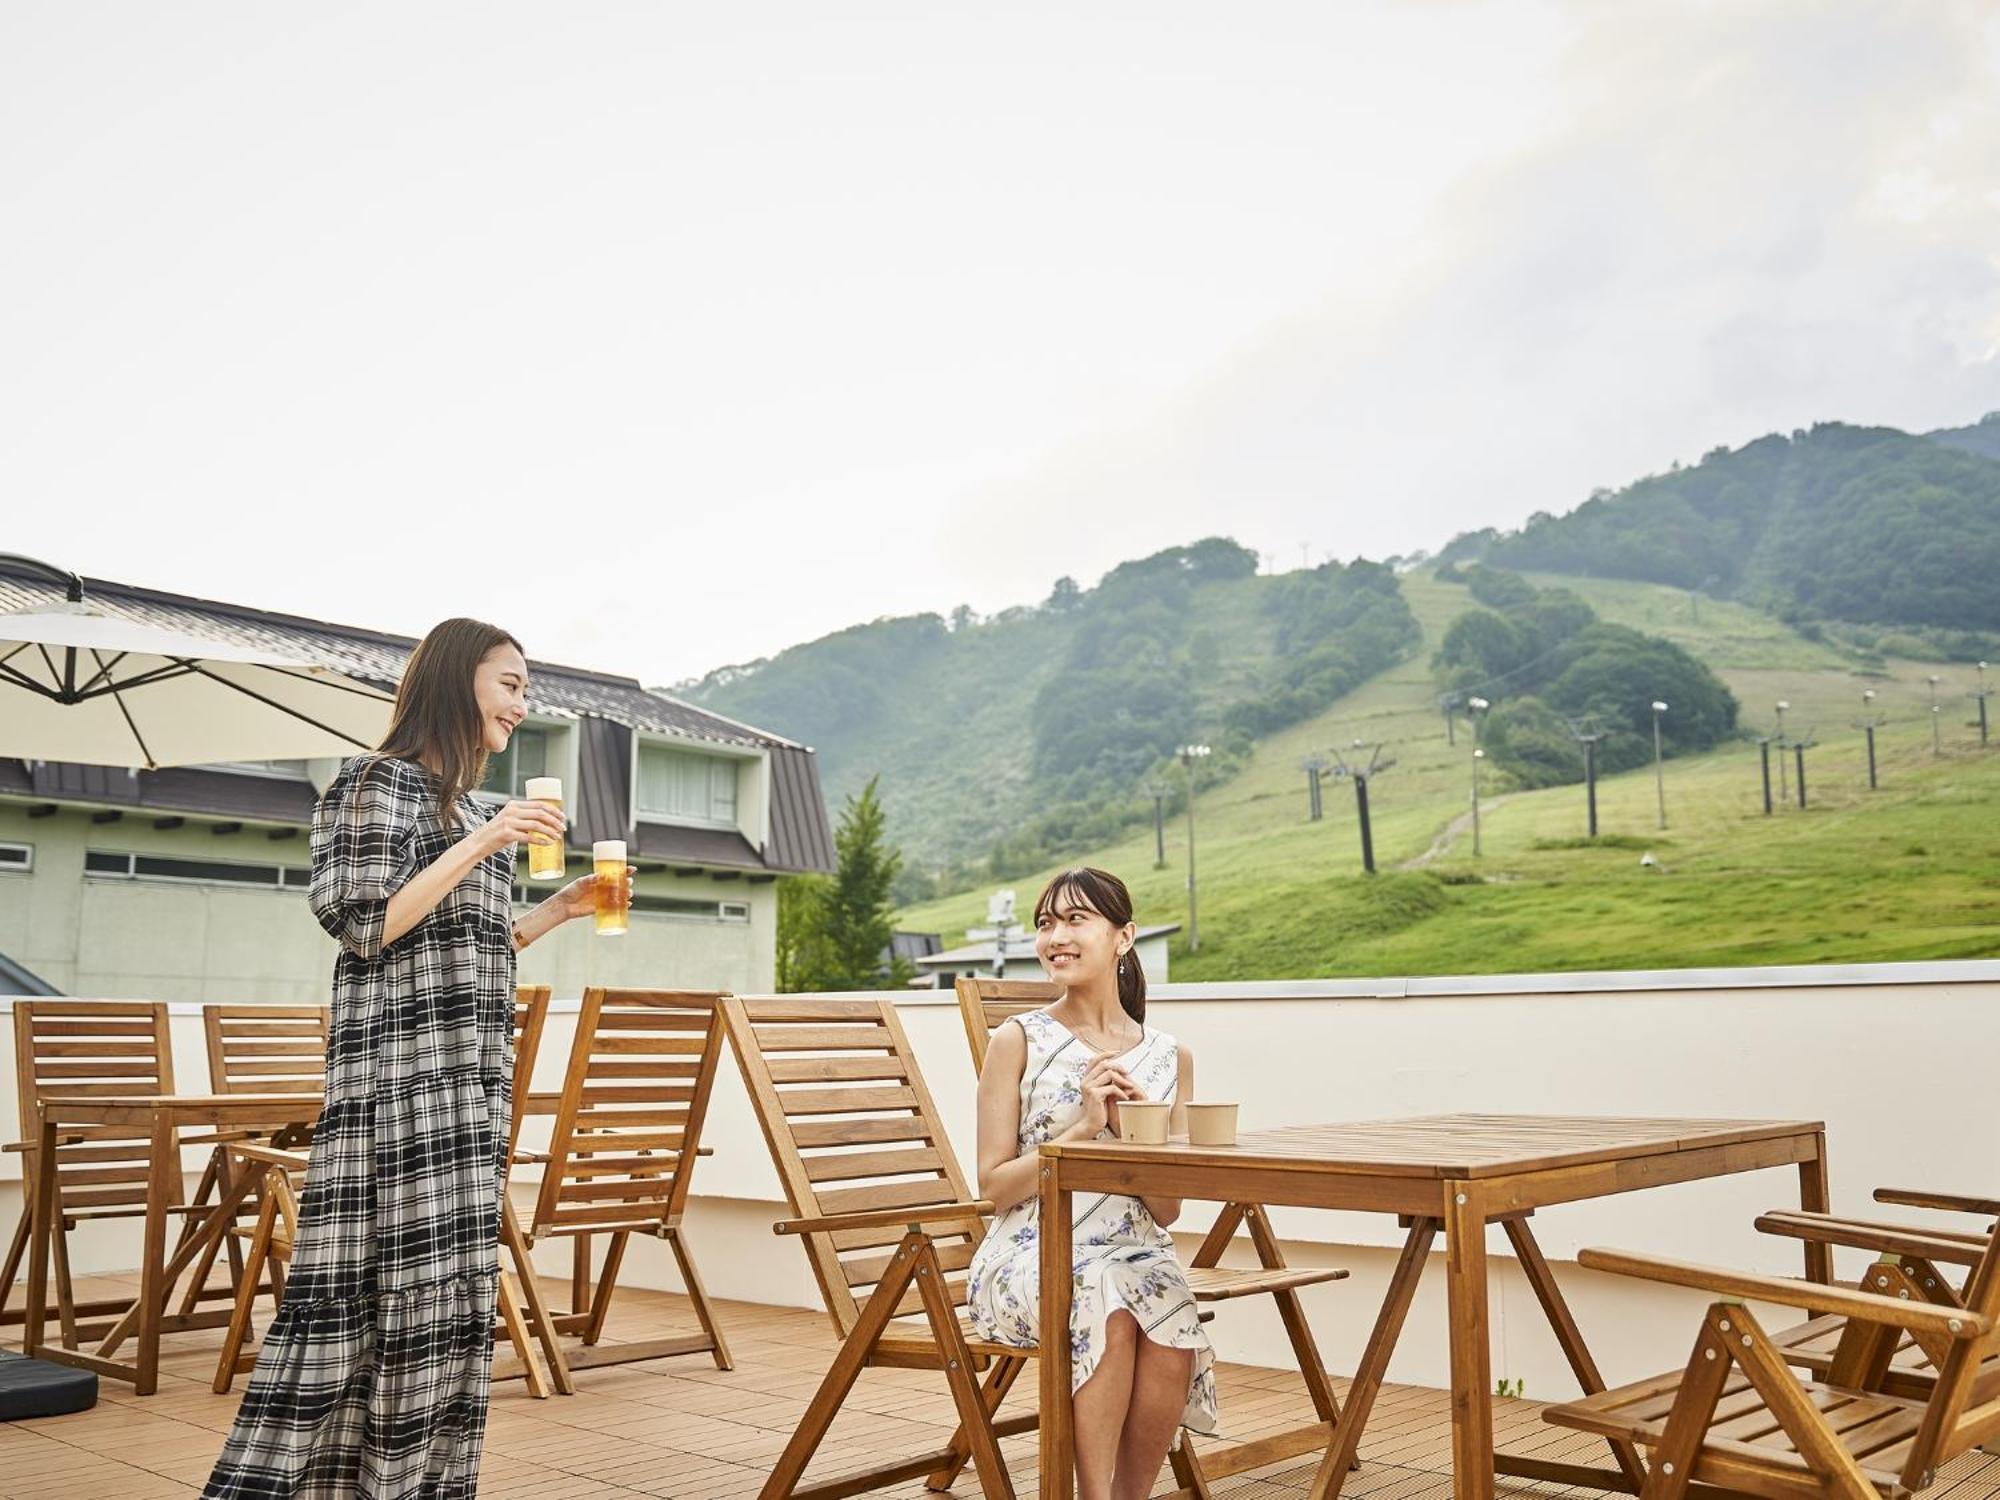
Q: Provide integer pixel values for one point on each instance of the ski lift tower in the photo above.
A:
(1004, 931)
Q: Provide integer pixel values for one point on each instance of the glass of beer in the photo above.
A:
(614, 905)
(545, 856)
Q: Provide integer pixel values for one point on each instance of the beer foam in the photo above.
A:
(543, 789)
(608, 849)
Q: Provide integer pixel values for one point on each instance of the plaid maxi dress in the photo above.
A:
(372, 1382)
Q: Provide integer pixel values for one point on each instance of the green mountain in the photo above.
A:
(1839, 523)
(1002, 741)
(1982, 437)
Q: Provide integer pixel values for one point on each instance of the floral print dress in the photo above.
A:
(1121, 1257)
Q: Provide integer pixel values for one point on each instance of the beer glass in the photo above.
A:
(613, 904)
(545, 856)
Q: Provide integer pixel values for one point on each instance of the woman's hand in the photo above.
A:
(579, 897)
(521, 823)
(1104, 1084)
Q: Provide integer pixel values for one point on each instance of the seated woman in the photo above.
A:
(1141, 1362)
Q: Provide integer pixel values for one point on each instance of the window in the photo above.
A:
(290, 770)
(681, 906)
(17, 857)
(527, 754)
(103, 862)
(686, 787)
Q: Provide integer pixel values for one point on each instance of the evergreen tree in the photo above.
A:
(833, 931)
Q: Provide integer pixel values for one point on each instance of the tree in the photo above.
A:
(804, 957)
(1065, 596)
(834, 931)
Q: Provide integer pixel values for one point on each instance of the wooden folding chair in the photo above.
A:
(92, 1048)
(986, 1004)
(269, 1245)
(524, 1314)
(1739, 1418)
(1911, 1263)
(621, 1157)
(254, 1049)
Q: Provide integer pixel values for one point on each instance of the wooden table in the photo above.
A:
(162, 1115)
(1455, 1172)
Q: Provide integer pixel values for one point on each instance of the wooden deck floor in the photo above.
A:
(682, 1428)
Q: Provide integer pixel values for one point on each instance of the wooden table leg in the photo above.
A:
(1058, 1445)
(160, 1184)
(1535, 1266)
(1471, 1358)
(1814, 1199)
(1339, 1459)
(35, 1314)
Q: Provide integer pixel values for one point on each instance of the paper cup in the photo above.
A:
(1144, 1124)
(1211, 1124)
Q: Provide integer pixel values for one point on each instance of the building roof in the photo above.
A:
(1021, 947)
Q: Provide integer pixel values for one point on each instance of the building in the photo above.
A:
(187, 884)
(977, 959)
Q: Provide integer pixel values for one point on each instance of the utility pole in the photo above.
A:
(1659, 776)
(1779, 740)
(1446, 703)
(1868, 723)
(1361, 775)
(1800, 745)
(1587, 734)
(1937, 737)
(1764, 752)
(1982, 705)
(1157, 790)
(1190, 754)
(1477, 706)
(1312, 765)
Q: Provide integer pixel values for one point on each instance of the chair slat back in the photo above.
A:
(266, 1049)
(622, 1153)
(531, 1014)
(851, 1126)
(986, 1003)
(1952, 1423)
(97, 1049)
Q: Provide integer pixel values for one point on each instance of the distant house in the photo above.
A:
(187, 883)
(977, 960)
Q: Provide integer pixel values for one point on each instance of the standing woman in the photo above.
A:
(1140, 1362)
(372, 1381)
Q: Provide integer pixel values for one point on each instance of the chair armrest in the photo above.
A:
(880, 1218)
(1885, 1239)
(1811, 1296)
(1959, 1203)
(290, 1161)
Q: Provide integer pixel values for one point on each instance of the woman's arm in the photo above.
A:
(1007, 1174)
(1006, 1177)
(1166, 1210)
(577, 899)
(418, 897)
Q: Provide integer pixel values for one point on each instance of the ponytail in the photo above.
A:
(1132, 986)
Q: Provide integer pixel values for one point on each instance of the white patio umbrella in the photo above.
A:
(77, 684)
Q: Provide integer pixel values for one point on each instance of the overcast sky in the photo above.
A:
(668, 335)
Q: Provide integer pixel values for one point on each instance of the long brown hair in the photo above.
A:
(1104, 893)
(436, 719)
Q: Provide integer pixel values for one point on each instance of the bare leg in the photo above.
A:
(1160, 1378)
(1100, 1404)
